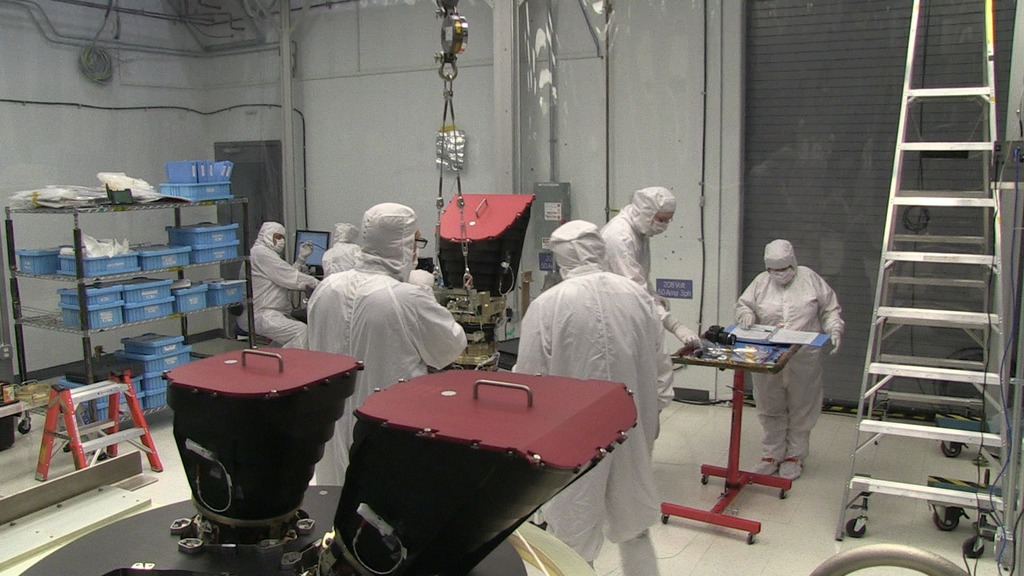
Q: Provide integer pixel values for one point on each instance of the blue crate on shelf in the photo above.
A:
(190, 299)
(148, 310)
(99, 265)
(42, 261)
(221, 171)
(153, 383)
(163, 256)
(158, 362)
(182, 171)
(198, 192)
(138, 290)
(207, 233)
(203, 253)
(225, 292)
(152, 343)
(101, 316)
(95, 295)
(155, 400)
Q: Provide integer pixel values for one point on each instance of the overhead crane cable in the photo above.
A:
(454, 32)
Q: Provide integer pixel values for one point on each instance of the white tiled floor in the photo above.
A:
(797, 533)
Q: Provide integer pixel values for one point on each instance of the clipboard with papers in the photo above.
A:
(766, 334)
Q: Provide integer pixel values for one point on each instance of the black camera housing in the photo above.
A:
(718, 335)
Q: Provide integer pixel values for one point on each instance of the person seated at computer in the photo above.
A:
(272, 279)
(344, 250)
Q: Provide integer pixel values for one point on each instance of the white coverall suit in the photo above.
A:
(597, 324)
(272, 278)
(788, 403)
(344, 250)
(627, 239)
(371, 313)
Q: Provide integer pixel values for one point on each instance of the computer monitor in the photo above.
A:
(320, 241)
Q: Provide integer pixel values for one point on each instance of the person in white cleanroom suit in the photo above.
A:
(627, 238)
(597, 324)
(372, 313)
(344, 250)
(272, 278)
(788, 403)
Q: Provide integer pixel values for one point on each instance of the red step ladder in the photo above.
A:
(64, 423)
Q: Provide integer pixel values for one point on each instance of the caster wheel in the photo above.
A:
(24, 426)
(103, 456)
(664, 518)
(782, 494)
(857, 527)
(704, 479)
(750, 538)
(951, 450)
(947, 519)
(973, 547)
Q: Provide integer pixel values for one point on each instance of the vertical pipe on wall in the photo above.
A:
(552, 98)
(292, 213)
(607, 111)
(506, 97)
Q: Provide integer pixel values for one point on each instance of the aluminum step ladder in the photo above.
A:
(937, 333)
(88, 442)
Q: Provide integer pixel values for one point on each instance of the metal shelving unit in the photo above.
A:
(49, 321)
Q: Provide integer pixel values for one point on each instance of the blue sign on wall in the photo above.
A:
(668, 288)
(547, 261)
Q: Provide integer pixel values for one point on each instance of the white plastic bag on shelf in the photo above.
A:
(57, 196)
(142, 191)
(94, 247)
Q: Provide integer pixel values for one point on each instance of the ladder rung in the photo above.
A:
(937, 318)
(110, 439)
(978, 240)
(930, 432)
(932, 399)
(945, 496)
(97, 390)
(938, 257)
(945, 146)
(954, 363)
(960, 92)
(947, 282)
(921, 199)
(932, 373)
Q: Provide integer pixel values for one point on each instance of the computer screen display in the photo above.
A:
(320, 241)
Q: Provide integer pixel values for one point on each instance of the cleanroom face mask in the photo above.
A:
(783, 277)
(660, 223)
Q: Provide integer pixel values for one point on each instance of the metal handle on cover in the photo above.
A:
(280, 360)
(513, 385)
(479, 206)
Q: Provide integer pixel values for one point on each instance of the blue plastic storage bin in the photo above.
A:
(99, 265)
(148, 310)
(94, 295)
(182, 172)
(163, 256)
(139, 290)
(153, 383)
(226, 292)
(102, 316)
(43, 261)
(153, 344)
(190, 299)
(154, 400)
(198, 192)
(202, 234)
(222, 171)
(202, 253)
(158, 362)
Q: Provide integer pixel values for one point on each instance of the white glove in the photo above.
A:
(421, 278)
(687, 337)
(745, 321)
(836, 339)
(663, 302)
(305, 250)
